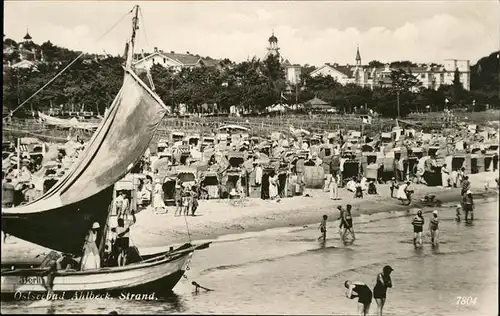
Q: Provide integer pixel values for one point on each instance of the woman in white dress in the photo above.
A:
(158, 203)
(273, 187)
(402, 192)
(91, 259)
(334, 188)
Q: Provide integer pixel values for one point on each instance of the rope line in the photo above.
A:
(64, 69)
(144, 28)
(187, 228)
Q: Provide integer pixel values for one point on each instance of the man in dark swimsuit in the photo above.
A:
(418, 227)
(380, 290)
(362, 292)
(347, 223)
(468, 206)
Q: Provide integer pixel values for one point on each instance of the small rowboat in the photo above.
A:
(156, 275)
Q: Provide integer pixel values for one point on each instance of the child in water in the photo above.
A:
(322, 228)
(459, 209)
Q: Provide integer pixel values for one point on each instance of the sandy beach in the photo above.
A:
(218, 217)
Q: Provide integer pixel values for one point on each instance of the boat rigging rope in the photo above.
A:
(148, 72)
(64, 69)
(187, 228)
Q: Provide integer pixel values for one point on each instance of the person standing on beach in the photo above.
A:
(454, 178)
(380, 290)
(194, 196)
(362, 292)
(187, 200)
(334, 187)
(404, 193)
(468, 205)
(445, 176)
(322, 228)
(178, 198)
(465, 185)
(394, 186)
(348, 223)
(418, 224)
(434, 228)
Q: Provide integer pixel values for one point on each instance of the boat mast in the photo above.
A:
(130, 44)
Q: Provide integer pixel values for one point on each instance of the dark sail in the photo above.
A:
(62, 216)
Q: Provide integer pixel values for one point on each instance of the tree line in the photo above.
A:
(252, 85)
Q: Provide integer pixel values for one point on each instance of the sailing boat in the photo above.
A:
(61, 218)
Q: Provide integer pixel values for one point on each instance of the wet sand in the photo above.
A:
(218, 217)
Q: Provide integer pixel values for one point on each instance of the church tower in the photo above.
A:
(358, 57)
(359, 74)
(273, 48)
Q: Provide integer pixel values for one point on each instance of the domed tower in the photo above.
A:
(273, 48)
(27, 38)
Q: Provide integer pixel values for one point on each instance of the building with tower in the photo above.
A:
(27, 38)
(273, 48)
(25, 54)
(431, 77)
(292, 71)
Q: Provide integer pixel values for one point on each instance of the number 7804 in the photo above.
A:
(466, 300)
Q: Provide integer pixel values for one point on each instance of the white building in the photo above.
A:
(173, 60)
(293, 73)
(430, 77)
(446, 74)
(26, 64)
(345, 74)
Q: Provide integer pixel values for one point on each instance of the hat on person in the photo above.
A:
(469, 192)
(96, 225)
(393, 178)
(388, 269)
(435, 212)
(459, 205)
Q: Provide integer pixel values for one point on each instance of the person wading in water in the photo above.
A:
(380, 290)
(322, 228)
(362, 292)
(434, 228)
(347, 223)
(418, 224)
(468, 205)
(458, 211)
(341, 219)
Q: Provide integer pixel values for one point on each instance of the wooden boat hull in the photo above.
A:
(150, 278)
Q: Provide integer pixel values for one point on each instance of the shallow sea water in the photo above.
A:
(287, 271)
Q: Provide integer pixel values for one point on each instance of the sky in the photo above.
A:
(309, 32)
